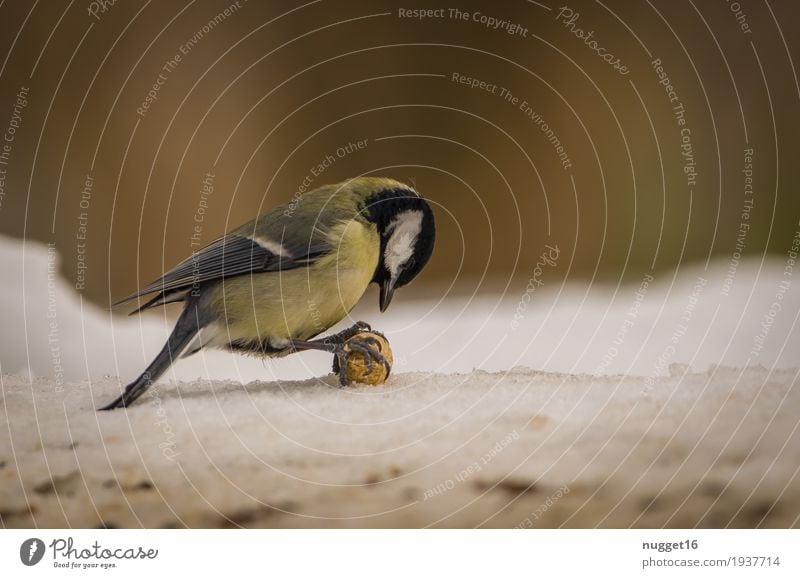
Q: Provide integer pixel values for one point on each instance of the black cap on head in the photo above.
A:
(407, 230)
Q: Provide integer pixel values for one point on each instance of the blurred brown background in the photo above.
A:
(263, 92)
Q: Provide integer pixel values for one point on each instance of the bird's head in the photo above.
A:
(407, 232)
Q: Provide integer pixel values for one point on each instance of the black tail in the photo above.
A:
(188, 325)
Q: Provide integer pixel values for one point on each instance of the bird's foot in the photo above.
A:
(344, 344)
(352, 331)
(367, 346)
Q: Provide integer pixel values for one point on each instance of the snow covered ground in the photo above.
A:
(667, 401)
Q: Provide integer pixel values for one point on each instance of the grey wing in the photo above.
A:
(229, 256)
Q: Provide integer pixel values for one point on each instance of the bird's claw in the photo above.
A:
(339, 338)
(353, 330)
(360, 345)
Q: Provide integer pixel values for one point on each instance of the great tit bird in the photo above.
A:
(272, 285)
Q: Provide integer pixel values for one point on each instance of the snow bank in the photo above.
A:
(522, 448)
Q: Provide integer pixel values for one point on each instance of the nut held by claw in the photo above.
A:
(357, 367)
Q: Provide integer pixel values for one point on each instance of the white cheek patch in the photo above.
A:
(404, 230)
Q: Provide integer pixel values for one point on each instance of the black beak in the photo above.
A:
(387, 291)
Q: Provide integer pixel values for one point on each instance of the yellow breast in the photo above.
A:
(303, 302)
